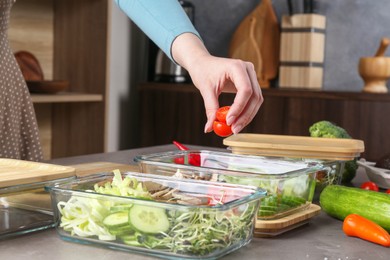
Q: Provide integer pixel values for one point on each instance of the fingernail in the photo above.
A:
(236, 129)
(206, 127)
(230, 120)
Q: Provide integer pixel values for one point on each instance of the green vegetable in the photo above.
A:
(340, 201)
(283, 195)
(148, 220)
(121, 207)
(327, 129)
(116, 220)
(191, 231)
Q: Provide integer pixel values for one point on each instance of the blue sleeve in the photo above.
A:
(161, 20)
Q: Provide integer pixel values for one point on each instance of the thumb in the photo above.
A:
(211, 105)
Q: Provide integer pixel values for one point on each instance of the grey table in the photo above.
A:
(322, 238)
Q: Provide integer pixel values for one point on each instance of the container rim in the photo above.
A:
(310, 166)
(255, 192)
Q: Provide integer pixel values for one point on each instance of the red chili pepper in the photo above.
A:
(193, 159)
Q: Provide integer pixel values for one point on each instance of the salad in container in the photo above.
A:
(290, 183)
(334, 149)
(156, 215)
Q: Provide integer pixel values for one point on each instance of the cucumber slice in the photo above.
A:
(123, 230)
(148, 220)
(132, 242)
(116, 220)
(122, 207)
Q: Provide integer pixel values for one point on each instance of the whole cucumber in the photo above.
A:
(340, 201)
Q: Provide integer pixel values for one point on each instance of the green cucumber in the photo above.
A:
(132, 242)
(122, 230)
(121, 207)
(148, 220)
(340, 201)
(116, 220)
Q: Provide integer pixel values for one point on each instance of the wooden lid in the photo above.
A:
(295, 146)
(16, 172)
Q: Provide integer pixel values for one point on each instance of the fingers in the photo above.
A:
(248, 98)
(213, 75)
(211, 104)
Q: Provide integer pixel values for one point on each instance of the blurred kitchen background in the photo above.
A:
(354, 29)
(113, 104)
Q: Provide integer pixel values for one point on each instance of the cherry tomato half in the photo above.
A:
(222, 129)
(369, 185)
(222, 113)
(388, 191)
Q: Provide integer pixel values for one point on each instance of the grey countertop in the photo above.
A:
(322, 238)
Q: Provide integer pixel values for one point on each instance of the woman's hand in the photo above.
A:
(213, 75)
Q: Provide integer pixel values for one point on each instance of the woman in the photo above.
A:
(166, 23)
(19, 138)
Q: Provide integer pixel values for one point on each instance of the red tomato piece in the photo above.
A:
(222, 113)
(388, 191)
(222, 129)
(194, 159)
(179, 160)
(369, 185)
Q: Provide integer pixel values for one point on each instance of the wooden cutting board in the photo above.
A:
(16, 172)
(86, 169)
(257, 39)
(271, 228)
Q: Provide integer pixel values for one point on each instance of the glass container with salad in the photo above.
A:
(290, 183)
(156, 215)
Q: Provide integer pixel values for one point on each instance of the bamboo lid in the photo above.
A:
(295, 146)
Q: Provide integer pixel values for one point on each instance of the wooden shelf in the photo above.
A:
(66, 97)
(59, 34)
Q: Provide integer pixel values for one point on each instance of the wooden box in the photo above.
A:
(302, 51)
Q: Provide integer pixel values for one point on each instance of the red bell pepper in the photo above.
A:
(193, 159)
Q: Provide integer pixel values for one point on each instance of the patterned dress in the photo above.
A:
(19, 138)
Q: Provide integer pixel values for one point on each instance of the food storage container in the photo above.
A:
(332, 152)
(25, 206)
(290, 183)
(156, 215)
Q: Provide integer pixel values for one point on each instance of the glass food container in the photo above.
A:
(290, 183)
(336, 153)
(156, 215)
(25, 206)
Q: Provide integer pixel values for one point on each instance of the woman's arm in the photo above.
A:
(161, 20)
(166, 23)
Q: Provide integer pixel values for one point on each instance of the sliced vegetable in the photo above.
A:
(369, 185)
(193, 159)
(388, 191)
(116, 220)
(121, 207)
(181, 147)
(194, 231)
(358, 226)
(148, 220)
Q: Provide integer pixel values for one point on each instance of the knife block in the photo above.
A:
(302, 51)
